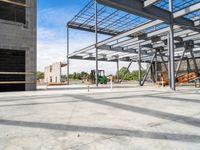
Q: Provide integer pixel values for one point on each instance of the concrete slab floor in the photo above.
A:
(133, 118)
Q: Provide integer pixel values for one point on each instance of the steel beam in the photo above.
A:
(149, 3)
(125, 42)
(89, 29)
(114, 57)
(193, 59)
(153, 12)
(145, 77)
(135, 30)
(117, 49)
(127, 69)
(180, 62)
(190, 9)
(188, 65)
(127, 55)
(151, 34)
(163, 61)
(147, 25)
(94, 58)
(82, 50)
(87, 56)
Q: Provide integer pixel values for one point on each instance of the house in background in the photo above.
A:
(53, 73)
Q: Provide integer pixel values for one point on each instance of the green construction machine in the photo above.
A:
(101, 77)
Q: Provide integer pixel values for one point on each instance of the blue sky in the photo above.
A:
(52, 18)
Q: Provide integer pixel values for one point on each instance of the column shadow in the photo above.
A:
(105, 131)
(145, 111)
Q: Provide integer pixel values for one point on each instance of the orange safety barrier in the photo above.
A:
(187, 77)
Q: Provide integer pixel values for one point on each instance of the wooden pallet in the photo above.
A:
(56, 84)
(162, 83)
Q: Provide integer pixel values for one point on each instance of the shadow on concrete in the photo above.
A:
(152, 95)
(85, 88)
(25, 98)
(175, 99)
(46, 103)
(157, 97)
(105, 131)
(73, 101)
(145, 111)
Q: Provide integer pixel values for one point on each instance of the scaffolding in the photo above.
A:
(149, 31)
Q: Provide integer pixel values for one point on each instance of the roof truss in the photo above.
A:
(110, 49)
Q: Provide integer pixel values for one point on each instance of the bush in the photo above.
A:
(125, 74)
(78, 76)
(40, 75)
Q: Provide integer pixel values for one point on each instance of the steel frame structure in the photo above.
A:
(149, 31)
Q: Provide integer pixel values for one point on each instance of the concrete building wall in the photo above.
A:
(19, 36)
(52, 73)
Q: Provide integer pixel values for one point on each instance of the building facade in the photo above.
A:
(18, 45)
(53, 73)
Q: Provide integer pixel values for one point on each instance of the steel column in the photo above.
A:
(171, 42)
(169, 58)
(96, 41)
(139, 63)
(67, 55)
(118, 70)
(156, 66)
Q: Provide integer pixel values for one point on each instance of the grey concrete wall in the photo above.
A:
(22, 37)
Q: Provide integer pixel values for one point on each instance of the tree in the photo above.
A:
(125, 74)
(122, 72)
(128, 76)
(78, 76)
(64, 77)
(74, 76)
(40, 75)
(84, 74)
(135, 75)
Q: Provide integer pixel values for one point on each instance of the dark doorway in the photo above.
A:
(12, 61)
